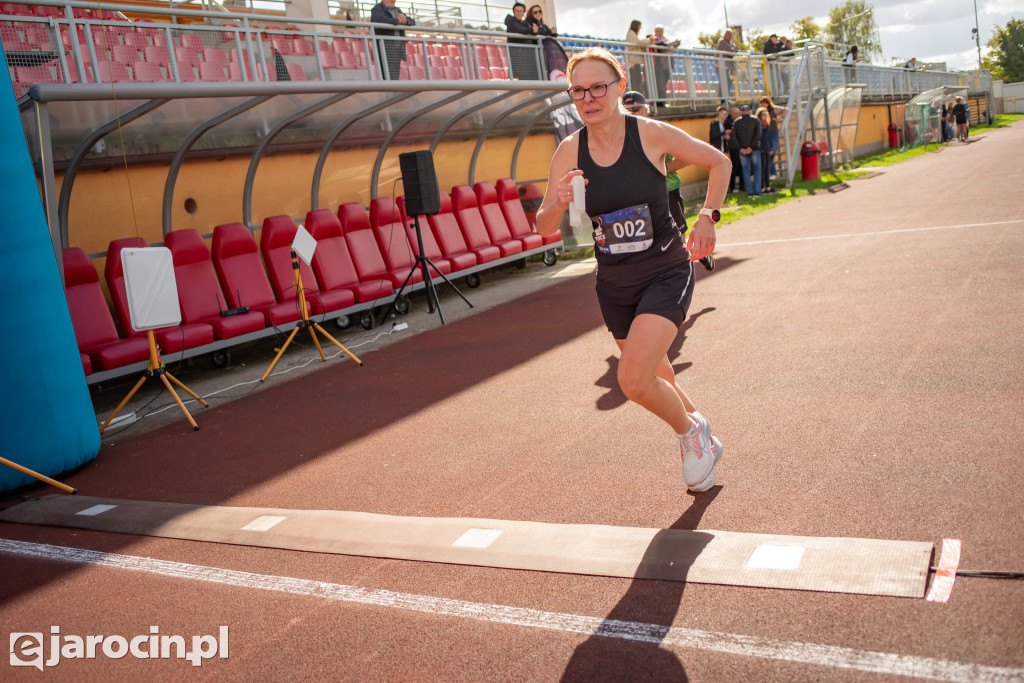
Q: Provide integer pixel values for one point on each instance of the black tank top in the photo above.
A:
(627, 202)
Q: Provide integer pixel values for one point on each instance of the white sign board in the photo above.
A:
(304, 245)
(150, 287)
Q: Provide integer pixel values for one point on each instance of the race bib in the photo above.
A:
(624, 231)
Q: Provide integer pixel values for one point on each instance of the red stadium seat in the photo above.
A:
(95, 331)
(276, 247)
(467, 213)
(209, 72)
(394, 242)
(113, 72)
(126, 54)
(450, 239)
(192, 40)
(188, 55)
(148, 73)
(430, 247)
(214, 55)
(157, 55)
(169, 339)
(515, 217)
(236, 259)
(199, 292)
(363, 247)
(332, 262)
(494, 220)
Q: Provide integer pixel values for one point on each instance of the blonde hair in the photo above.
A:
(762, 110)
(598, 54)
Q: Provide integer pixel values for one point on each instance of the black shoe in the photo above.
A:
(708, 262)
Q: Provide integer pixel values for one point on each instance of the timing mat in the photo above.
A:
(839, 565)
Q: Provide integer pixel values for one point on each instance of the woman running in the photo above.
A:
(645, 272)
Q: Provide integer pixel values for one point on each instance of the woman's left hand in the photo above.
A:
(702, 238)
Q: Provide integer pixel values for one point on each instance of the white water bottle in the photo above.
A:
(579, 203)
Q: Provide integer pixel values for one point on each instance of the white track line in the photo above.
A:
(868, 234)
(728, 643)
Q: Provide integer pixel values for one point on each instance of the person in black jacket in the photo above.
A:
(746, 139)
(960, 113)
(535, 16)
(720, 132)
(392, 52)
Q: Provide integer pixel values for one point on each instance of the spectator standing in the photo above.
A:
(728, 69)
(746, 139)
(911, 64)
(720, 132)
(766, 149)
(635, 55)
(776, 116)
(662, 49)
(522, 60)
(392, 50)
(736, 181)
(772, 45)
(535, 16)
(849, 62)
(960, 114)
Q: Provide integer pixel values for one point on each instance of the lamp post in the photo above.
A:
(977, 36)
(842, 23)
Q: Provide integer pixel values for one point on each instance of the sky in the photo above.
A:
(931, 30)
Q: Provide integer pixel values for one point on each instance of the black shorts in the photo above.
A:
(662, 285)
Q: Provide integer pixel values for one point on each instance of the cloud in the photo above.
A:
(932, 30)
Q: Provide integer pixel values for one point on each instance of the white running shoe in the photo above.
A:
(700, 452)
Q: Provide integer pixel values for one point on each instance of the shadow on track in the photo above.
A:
(646, 601)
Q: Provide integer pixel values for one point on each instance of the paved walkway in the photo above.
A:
(858, 353)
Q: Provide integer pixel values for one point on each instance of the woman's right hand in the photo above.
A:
(565, 187)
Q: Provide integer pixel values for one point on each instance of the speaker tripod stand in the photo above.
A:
(307, 324)
(157, 369)
(424, 264)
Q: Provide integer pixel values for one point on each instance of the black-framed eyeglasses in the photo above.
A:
(537, 11)
(597, 90)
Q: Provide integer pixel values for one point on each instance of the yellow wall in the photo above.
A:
(102, 208)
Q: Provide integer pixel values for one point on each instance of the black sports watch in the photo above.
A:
(714, 214)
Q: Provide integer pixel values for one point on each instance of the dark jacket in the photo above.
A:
(746, 132)
(382, 14)
(513, 25)
(542, 28)
(715, 137)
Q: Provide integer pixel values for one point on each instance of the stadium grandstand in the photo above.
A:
(217, 129)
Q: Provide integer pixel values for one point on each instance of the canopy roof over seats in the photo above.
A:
(70, 126)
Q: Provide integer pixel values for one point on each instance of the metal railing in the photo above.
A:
(81, 38)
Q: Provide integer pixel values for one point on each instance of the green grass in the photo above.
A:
(1002, 121)
(739, 205)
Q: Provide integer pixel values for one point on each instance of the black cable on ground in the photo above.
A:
(985, 574)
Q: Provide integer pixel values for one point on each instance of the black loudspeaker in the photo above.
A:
(421, 195)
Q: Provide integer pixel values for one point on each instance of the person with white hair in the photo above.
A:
(662, 48)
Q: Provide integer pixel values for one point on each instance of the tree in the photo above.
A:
(804, 29)
(1008, 51)
(710, 39)
(853, 23)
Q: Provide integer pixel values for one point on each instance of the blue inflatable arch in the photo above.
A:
(47, 422)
